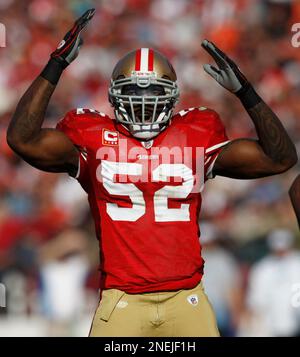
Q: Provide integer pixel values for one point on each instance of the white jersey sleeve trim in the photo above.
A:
(212, 148)
(209, 173)
(79, 168)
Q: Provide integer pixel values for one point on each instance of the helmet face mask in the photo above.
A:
(143, 100)
(143, 104)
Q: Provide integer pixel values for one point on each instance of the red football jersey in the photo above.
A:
(146, 197)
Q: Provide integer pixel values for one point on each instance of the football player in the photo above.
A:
(294, 193)
(144, 171)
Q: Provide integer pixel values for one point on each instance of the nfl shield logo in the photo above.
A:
(193, 299)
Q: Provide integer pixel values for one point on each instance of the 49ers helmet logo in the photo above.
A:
(110, 137)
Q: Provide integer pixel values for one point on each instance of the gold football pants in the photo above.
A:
(182, 313)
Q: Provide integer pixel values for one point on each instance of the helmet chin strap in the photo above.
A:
(145, 135)
(123, 112)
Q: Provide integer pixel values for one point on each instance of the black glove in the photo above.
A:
(67, 50)
(229, 76)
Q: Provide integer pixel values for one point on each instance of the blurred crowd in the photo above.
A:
(48, 250)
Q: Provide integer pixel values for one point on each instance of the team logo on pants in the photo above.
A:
(193, 299)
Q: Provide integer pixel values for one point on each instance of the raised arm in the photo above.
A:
(273, 152)
(46, 149)
(294, 193)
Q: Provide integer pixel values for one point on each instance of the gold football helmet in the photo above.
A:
(143, 92)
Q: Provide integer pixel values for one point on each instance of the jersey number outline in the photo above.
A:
(161, 211)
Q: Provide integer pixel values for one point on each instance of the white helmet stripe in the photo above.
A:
(144, 59)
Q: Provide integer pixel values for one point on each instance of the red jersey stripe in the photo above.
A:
(150, 60)
(138, 60)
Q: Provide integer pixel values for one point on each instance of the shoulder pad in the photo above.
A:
(81, 111)
(201, 118)
(184, 112)
(81, 118)
(195, 114)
